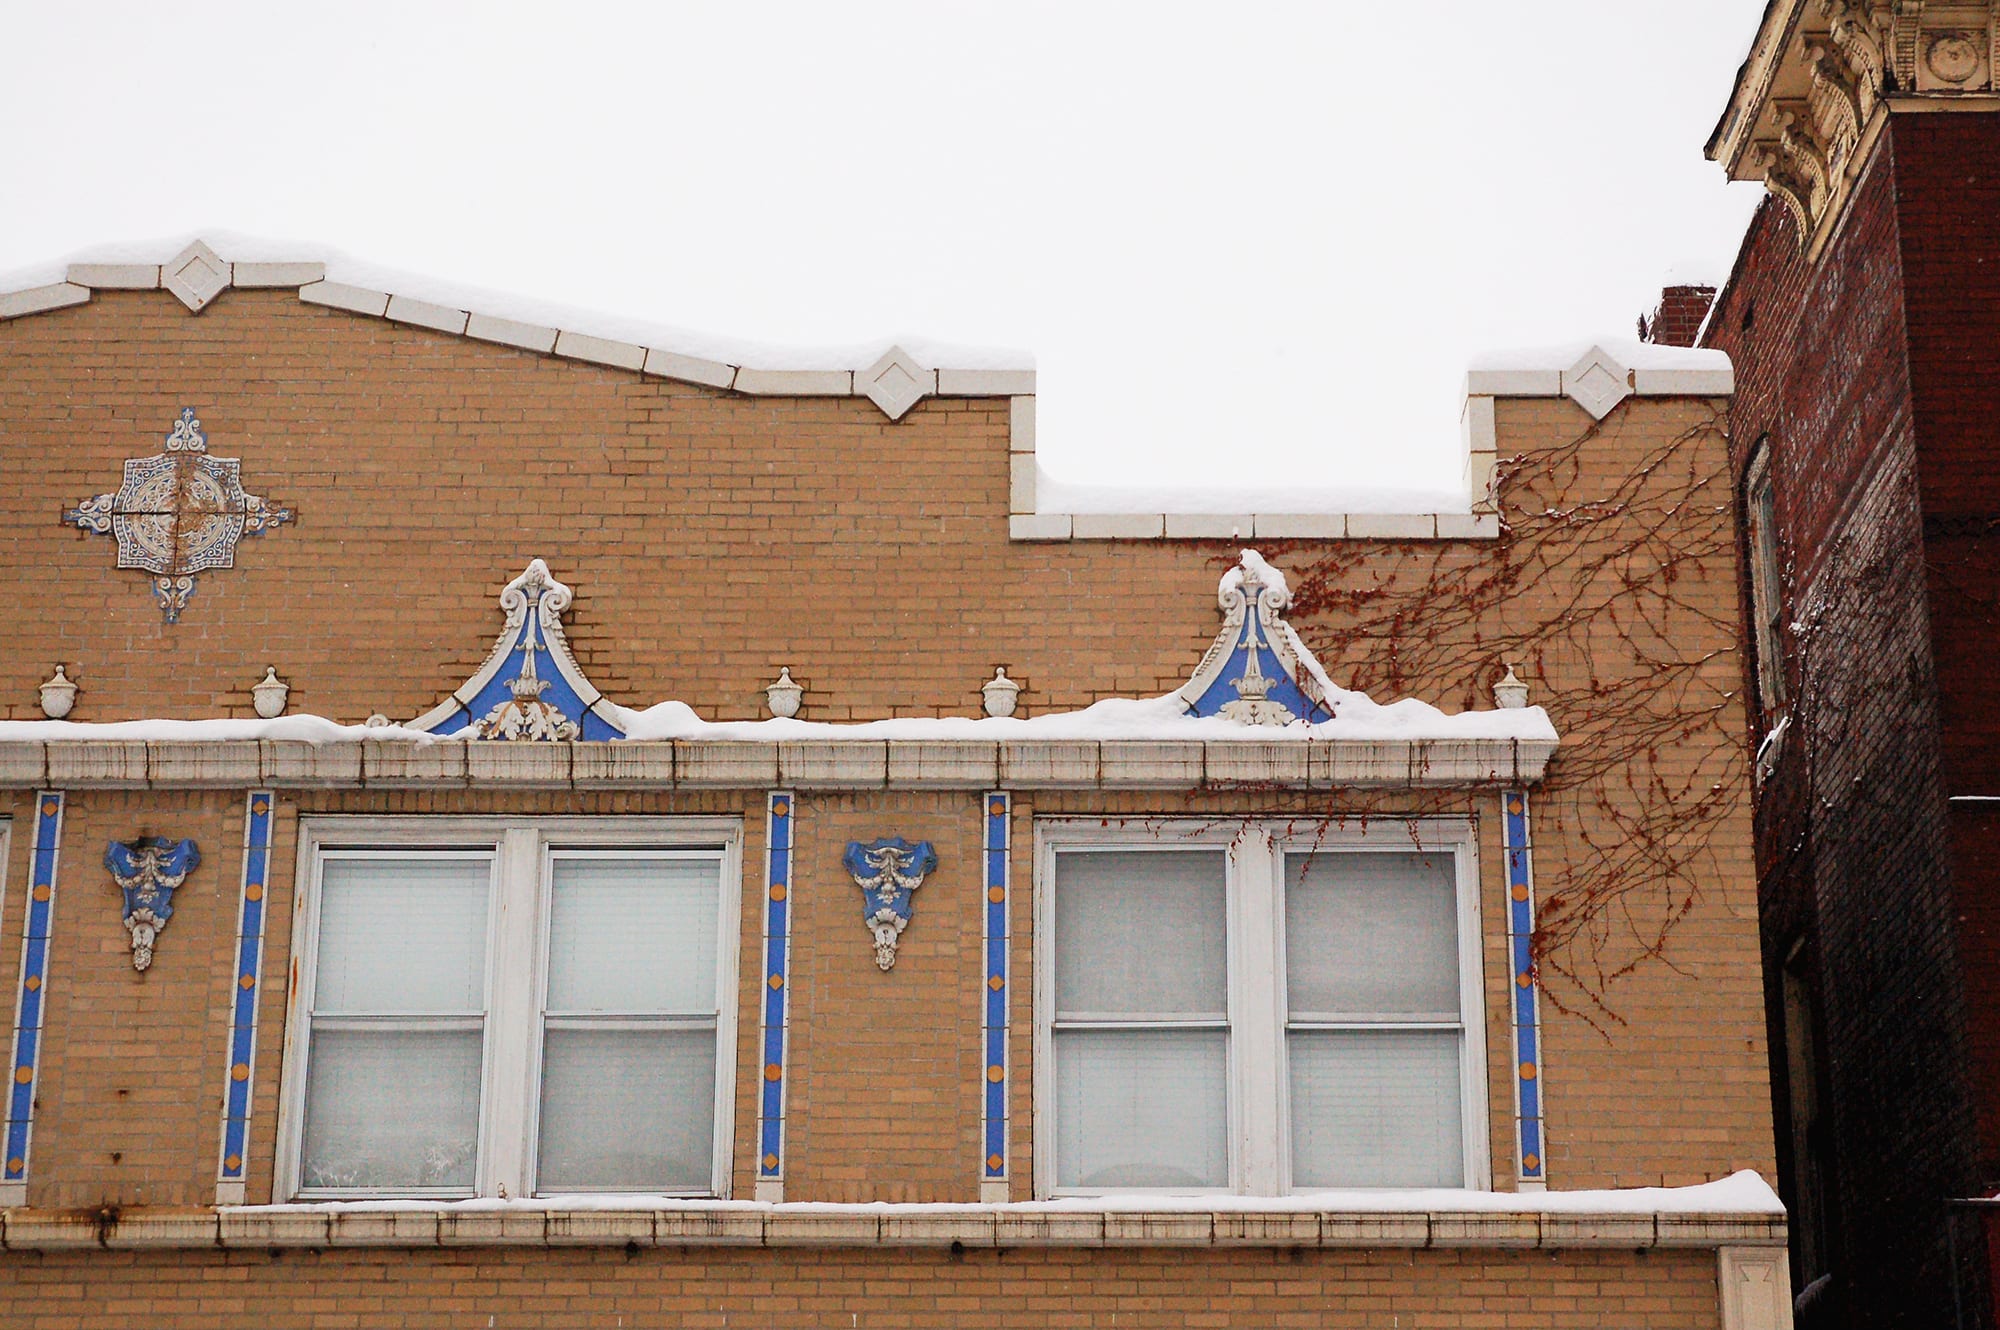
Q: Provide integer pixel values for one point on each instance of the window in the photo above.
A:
(1262, 1008)
(512, 1008)
(1766, 596)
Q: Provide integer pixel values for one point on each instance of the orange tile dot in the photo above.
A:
(1520, 892)
(15, 1165)
(24, 1074)
(1522, 980)
(239, 1072)
(781, 808)
(994, 1162)
(776, 981)
(772, 1071)
(996, 1074)
(777, 891)
(998, 807)
(247, 981)
(770, 1161)
(260, 808)
(233, 1163)
(255, 891)
(33, 982)
(996, 894)
(41, 891)
(49, 807)
(1527, 1071)
(996, 983)
(1531, 1162)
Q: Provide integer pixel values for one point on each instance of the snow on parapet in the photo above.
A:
(894, 375)
(1599, 375)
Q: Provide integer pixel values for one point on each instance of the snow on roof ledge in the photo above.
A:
(1597, 376)
(895, 375)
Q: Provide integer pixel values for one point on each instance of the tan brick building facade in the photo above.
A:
(920, 1147)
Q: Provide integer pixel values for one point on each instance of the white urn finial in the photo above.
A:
(1000, 692)
(58, 695)
(1510, 693)
(269, 693)
(784, 695)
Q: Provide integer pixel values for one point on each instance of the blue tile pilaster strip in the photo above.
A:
(777, 979)
(32, 1004)
(240, 1071)
(1529, 1155)
(998, 838)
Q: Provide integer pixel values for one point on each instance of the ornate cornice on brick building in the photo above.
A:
(1822, 77)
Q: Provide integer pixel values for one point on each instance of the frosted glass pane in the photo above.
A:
(391, 1109)
(1142, 1108)
(1141, 931)
(633, 935)
(1376, 1109)
(402, 935)
(627, 1110)
(1371, 933)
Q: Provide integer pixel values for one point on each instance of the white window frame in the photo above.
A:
(1259, 1128)
(523, 850)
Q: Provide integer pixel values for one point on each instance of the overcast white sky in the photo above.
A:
(1250, 240)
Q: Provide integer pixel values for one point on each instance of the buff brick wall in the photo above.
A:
(712, 539)
(1415, 1290)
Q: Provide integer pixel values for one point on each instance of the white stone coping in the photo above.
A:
(1596, 376)
(740, 1224)
(839, 764)
(895, 380)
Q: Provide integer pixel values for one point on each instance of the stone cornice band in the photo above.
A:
(267, 1227)
(840, 764)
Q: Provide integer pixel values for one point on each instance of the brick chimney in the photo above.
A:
(1677, 319)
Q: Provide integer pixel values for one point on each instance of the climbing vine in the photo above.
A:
(1596, 593)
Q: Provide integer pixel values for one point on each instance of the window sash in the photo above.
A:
(632, 1021)
(513, 1022)
(1258, 1025)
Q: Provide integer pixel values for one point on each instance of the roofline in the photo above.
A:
(1774, 32)
(895, 382)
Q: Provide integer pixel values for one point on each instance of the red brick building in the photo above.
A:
(1863, 317)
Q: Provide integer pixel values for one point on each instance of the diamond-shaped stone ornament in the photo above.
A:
(195, 276)
(896, 382)
(1597, 383)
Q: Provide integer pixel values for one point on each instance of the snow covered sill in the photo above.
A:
(843, 764)
(748, 1225)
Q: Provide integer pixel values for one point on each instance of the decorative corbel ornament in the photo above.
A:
(1854, 35)
(1900, 23)
(1783, 181)
(888, 871)
(1798, 137)
(147, 871)
(1836, 97)
(530, 689)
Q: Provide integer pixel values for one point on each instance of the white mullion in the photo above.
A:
(1255, 1010)
(513, 1002)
